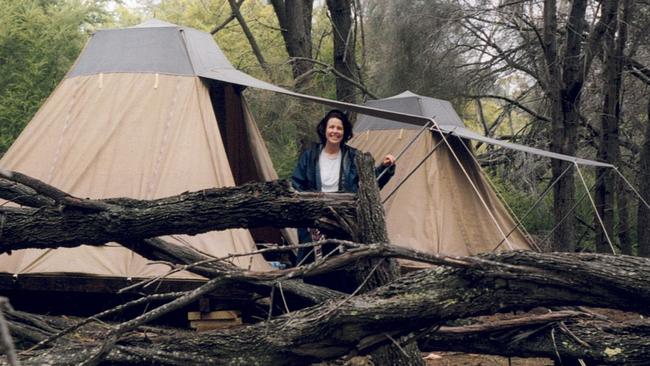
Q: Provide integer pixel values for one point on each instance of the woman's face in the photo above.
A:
(334, 131)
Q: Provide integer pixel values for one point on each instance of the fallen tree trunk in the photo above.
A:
(404, 309)
(413, 305)
(372, 273)
(594, 341)
(100, 221)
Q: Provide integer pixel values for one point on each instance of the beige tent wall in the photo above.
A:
(437, 210)
(261, 157)
(125, 135)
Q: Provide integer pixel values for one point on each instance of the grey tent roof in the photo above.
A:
(408, 102)
(159, 47)
(151, 47)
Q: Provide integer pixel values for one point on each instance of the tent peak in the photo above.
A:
(413, 104)
(154, 23)
(405, 94)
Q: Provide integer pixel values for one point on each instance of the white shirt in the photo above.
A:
(330, 169)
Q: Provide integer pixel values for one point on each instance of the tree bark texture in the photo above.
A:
(418, 303)
(294, 17)
(344, 48)
(383, 322)
(594, 341)
(247, 206)
(563, 191)
(623, 201)
(614, 40)
(373, 273)
(643, 180)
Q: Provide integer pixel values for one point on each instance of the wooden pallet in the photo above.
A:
(221, 319)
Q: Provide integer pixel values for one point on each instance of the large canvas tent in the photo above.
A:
(438, 208)
(133, 118)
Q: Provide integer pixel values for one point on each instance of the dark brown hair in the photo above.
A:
(335, 113)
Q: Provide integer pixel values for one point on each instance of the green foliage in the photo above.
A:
(39, 41)
(412, 45)
(539, 220)
(508, 123)
(287, 125)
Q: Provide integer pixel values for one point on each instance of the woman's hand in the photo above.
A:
(388, 160)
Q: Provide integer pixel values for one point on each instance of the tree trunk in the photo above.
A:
(623, 202)
(294, 17)
(102, 221)
(643, 180)
(375, 322)
(563, 190)
(593, 341)
(374, 273)
(608, 147)
(344, 48)
(234, 7)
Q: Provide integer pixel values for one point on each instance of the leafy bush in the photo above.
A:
(39, 41)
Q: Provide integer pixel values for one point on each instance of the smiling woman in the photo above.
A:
(330, 167)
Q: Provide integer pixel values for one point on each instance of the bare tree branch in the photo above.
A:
(234, 6)
(328, 68)
(227, 21)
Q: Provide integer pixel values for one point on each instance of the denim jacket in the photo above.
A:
(306, 175)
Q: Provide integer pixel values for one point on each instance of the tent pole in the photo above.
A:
(478, 193)
(411, 172)
(531, 208)
(632, 187)
(593, 204)
(424, 128)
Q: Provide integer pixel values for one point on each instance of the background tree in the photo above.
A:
(344, 40)
(415, 46)
(614, 42)
(39, 40)
(295, 19)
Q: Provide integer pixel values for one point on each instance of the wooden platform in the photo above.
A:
(221, 319)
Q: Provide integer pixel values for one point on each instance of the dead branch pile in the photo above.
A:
(388, 316)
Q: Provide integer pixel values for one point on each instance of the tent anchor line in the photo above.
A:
(593, 204)
(633, 189)
(519, 223)
(575, 205)
(399, 155)
(531, 208)
(471, 182)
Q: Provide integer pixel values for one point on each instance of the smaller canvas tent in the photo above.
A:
(133, 118)
(436, 209)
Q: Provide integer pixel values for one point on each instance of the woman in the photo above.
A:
(329, 166)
